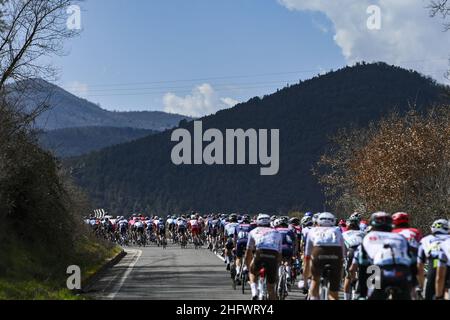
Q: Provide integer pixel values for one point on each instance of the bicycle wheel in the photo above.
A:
(243, 281)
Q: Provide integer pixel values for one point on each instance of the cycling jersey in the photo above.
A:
(413, 236)
(243, 230)
(139, 225)
(288, 237)
(231, 229)
(323, 237)
(430, 247)
(353, 238)
(194, 224)
(181, 223)
(263, 238)
(384, 249)
(444, 255)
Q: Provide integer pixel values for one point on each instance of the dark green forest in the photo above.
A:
(139, 176)
(70, 142)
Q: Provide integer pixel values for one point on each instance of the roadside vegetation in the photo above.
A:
(41, 228)
(401, 163)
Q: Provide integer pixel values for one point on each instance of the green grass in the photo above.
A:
(33, 272)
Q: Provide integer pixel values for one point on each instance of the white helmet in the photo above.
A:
(440, 226)
(193, 217)
(263, 220)
(326, 219)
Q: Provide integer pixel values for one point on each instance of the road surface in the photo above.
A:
(152, 273)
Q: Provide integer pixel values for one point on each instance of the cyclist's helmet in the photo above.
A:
(273, 218)
(193, 217)
(356, 215)
(233, 217)
(309, 214)
(294, 221)
(354, 222)
(263, 220)
(440, 227)
(246, 218)
(326, 219)
(315, 217)
(342, 223)
(307, 221)
(281, 222)
(381, 221)
(400, 218)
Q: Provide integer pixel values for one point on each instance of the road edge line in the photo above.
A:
(125, 275)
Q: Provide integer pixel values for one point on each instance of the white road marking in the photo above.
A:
(220, 257)
(138, 254)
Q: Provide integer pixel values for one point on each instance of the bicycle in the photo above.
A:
(282, 289)
(164, 243)
(243, 277)
(324, 287)
(262, 285)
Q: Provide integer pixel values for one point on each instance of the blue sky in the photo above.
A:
(197, 56)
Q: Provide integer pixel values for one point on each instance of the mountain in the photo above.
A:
(70, 142)
(140, 176)
(69, 111)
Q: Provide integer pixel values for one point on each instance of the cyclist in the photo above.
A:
(182, 228)
(194, 228)
(263, 251)
(123, 227)
(230, 235)
(139, 228)
(324, 247)
(242, 232)
(442, 270)
(289, 245)
(213, 231)
(343, 225)
(391, 253)
(429, 251)
(161, 231)
(352, 239)
(401, 225)
(272, 220)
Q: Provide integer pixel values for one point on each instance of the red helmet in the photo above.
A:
(400, 218)
(342, 223)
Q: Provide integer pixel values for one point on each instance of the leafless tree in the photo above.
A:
(442, 8)
(32, 30)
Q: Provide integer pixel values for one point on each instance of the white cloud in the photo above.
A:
(78, 88)
(408, 37)
(202, 101)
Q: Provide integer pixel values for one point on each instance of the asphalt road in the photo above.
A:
(152, 273)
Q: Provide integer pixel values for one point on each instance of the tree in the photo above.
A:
(442, 8)
(31, 30)
(399, 164)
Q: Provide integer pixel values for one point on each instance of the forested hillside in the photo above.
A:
(140, 175)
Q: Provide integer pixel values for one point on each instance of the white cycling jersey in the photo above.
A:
(139, 224)
(231, 229)
(444, 256)
(353, 238)
(305, 231)
(430, 246)
(181, 223)
(194, 223)
(263, 238)
(324, 237)
(386, 248)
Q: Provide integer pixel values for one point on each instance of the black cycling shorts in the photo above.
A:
(241, 246)
(267, 259)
